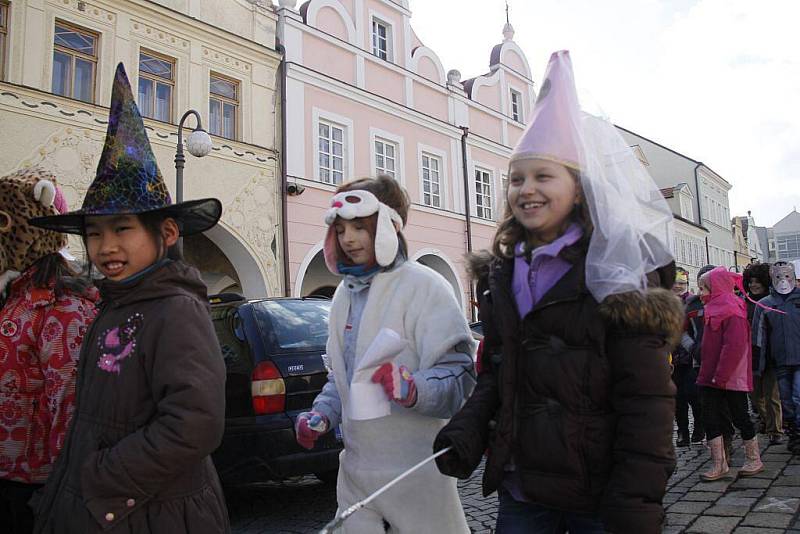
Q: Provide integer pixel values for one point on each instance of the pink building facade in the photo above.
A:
(365, 96)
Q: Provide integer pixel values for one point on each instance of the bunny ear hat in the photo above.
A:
(355, 204)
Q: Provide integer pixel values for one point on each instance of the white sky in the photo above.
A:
(717, 80)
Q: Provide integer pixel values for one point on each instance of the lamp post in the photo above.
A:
(198, 143)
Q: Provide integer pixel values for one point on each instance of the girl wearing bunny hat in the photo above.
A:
(425, 381)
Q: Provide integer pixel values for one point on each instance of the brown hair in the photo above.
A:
(510, 231)
(386, 190)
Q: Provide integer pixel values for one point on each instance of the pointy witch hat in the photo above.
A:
(128, 181)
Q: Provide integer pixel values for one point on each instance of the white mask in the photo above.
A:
(783, 277)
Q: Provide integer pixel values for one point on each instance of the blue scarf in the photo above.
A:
(357, 270)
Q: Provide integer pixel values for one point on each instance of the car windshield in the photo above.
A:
(293, 324)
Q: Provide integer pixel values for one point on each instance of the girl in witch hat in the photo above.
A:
(45, 310)
(574, 401)
(150, 396)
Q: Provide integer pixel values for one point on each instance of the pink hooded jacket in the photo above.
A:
(725, 351)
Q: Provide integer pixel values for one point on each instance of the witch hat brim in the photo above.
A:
(193, 217)
(128, 181)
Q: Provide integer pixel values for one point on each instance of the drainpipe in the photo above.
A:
(699, 212)
(467, 215)
(284, 179)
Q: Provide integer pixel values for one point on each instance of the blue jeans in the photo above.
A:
(515, 517)
(789, 387)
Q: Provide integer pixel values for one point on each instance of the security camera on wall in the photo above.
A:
(294, 189)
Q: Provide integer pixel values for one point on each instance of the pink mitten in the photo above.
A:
(308, 427)
(398, 383)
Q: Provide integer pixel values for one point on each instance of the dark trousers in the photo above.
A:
(15, 514)
(715, 402)
(789, 386)
(684, 378)
(515, 517)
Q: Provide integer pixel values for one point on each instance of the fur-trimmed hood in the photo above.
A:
(656, 310)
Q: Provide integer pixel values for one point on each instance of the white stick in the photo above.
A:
(338, 520)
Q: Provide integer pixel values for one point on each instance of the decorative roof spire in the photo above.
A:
(508, 29)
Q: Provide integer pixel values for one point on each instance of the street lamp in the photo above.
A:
(198, 143)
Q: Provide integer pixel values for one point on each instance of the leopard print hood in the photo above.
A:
(24, 194)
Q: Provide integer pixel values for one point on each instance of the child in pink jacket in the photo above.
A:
(726, 375)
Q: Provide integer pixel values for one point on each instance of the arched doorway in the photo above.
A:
(225, 263)
(217, 271)
(313, 276)
(438, 262)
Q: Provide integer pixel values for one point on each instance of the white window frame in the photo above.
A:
(319, 115)
(376, 18)
(520, 105)
(478, 167)
(380, 147)
(441, 155)
(238, 102)
(376, 134)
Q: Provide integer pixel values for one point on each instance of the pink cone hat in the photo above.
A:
(553, 132)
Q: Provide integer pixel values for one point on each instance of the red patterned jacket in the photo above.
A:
(40, 341)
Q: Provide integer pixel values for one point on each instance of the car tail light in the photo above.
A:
(268, 389)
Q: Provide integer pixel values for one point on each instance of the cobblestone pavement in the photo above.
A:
(765, 504)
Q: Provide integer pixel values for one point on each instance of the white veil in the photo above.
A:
(632, 221)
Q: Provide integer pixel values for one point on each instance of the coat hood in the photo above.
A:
(171, 279)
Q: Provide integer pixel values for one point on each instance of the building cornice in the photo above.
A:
(70, 111)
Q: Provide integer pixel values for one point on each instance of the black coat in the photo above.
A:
(150, 410)
(578, 394)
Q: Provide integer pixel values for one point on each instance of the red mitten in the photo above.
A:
(308, 427)
(398, 383)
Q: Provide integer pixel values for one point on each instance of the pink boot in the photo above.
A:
(752, 463)
(720, 468)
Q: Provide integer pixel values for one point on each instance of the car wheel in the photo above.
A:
(328, 477)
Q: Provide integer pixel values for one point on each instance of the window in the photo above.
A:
(381, 39)
(385, 158)
(156, 84)
(516, 106)
(331, 153)
(483, 194)
(3, 36)
(223, 106)
(686, 207)
(431, 181)
(683, 258)
(788, 246)
(74, 62)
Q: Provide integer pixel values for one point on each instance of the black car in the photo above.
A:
(273, 355)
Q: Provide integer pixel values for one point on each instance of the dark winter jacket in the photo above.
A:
(578, 394)
(777, 335)
(150, 409)
(695, 316)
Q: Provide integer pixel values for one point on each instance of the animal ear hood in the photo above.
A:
(26, 194)
(356, 204)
